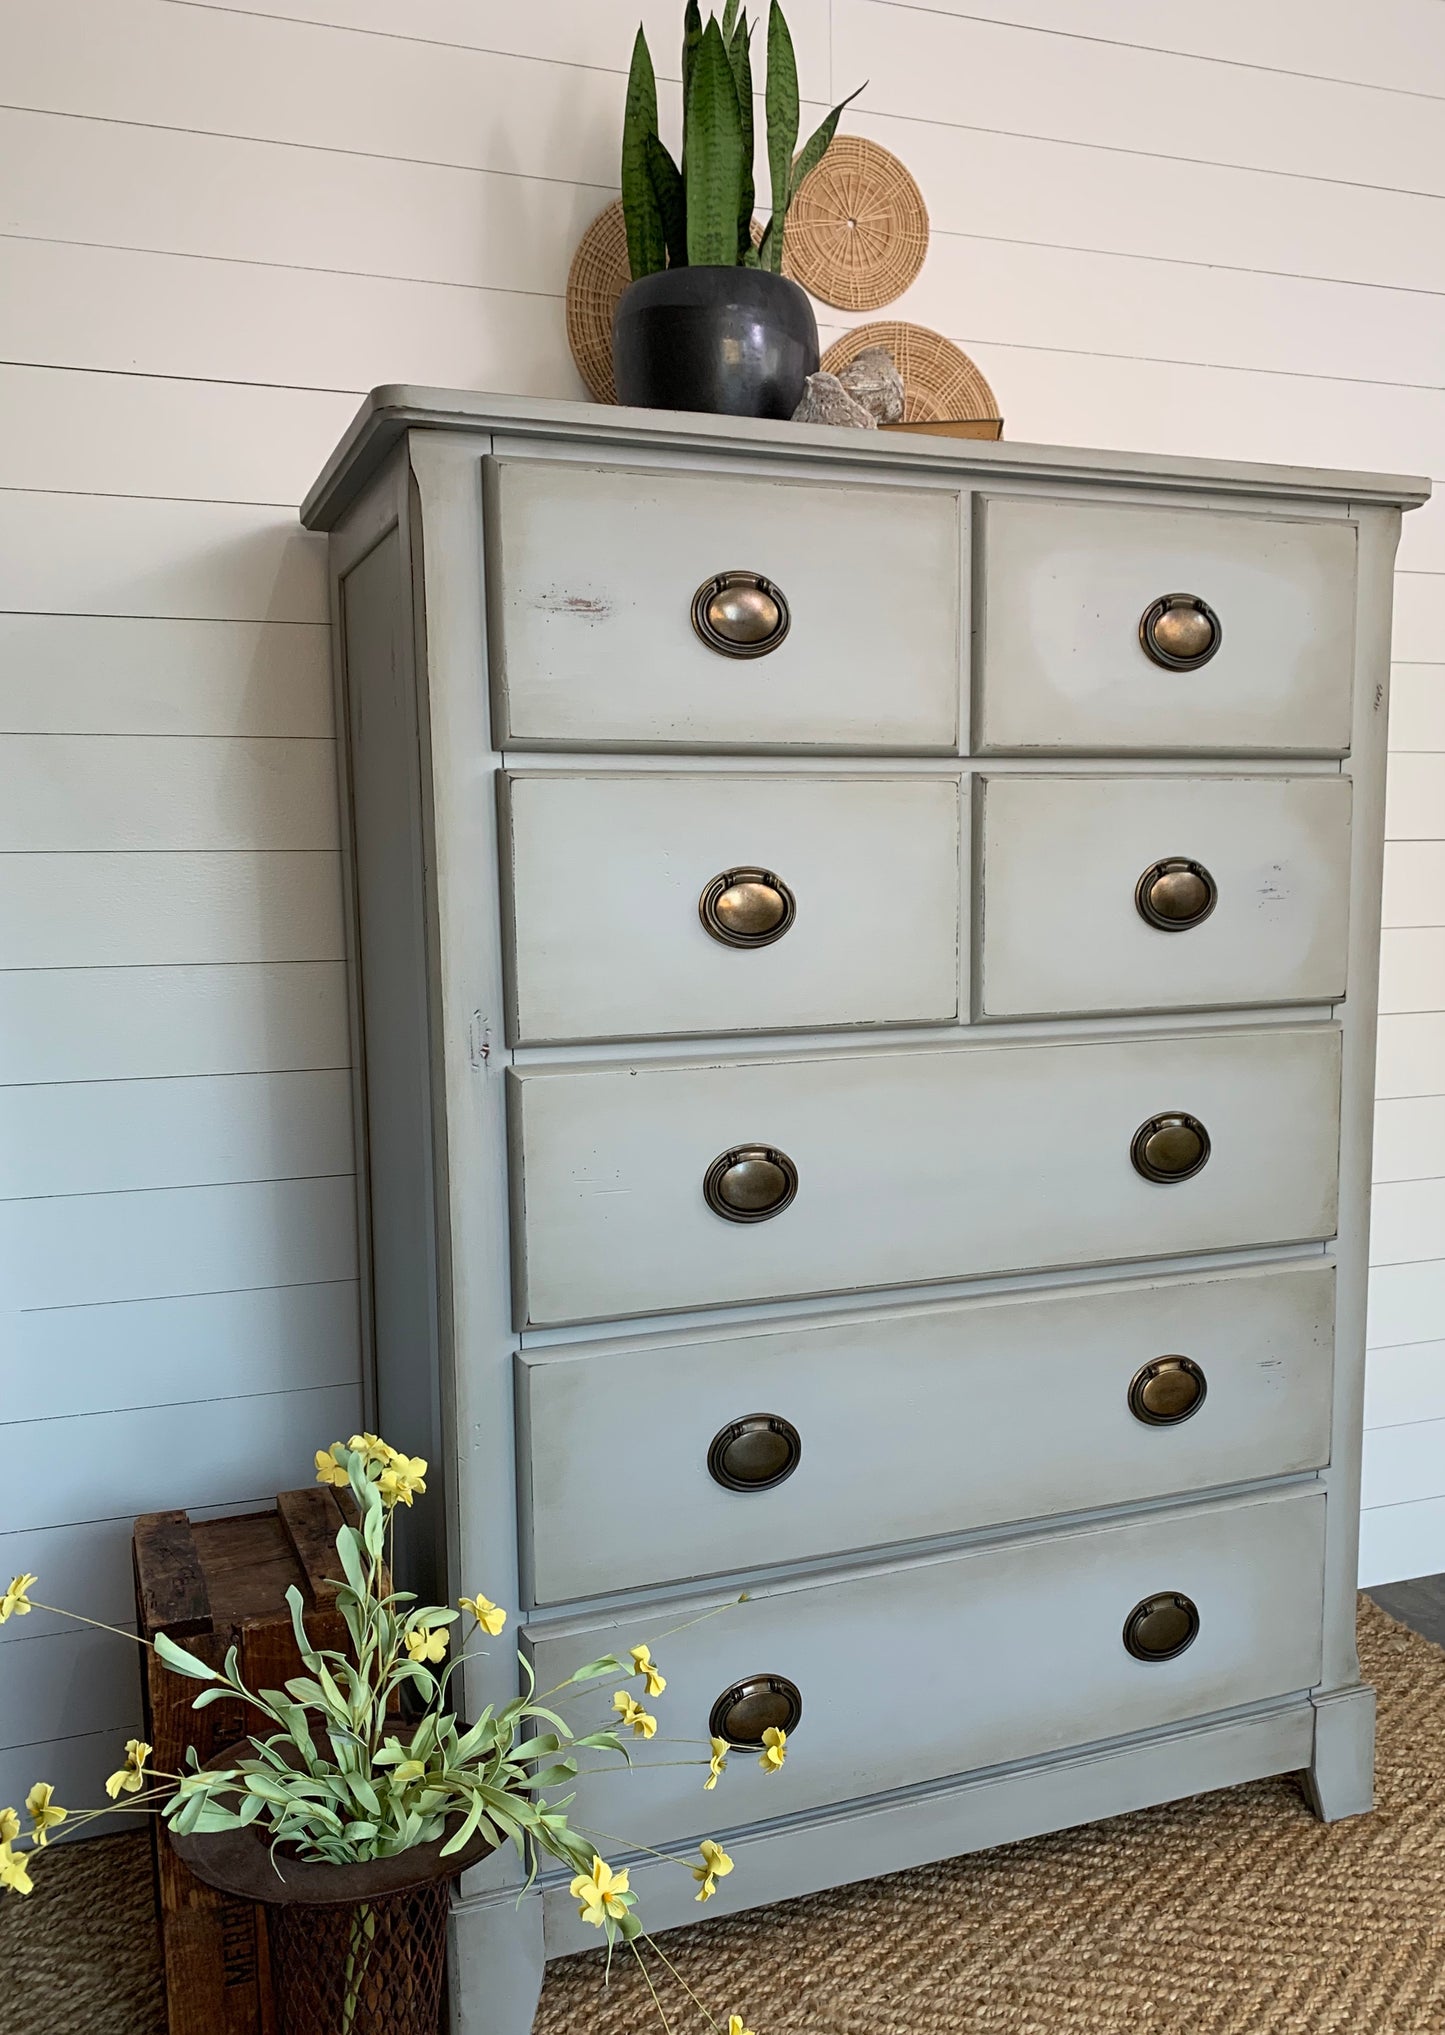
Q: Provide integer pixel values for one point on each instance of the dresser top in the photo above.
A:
(391, 411)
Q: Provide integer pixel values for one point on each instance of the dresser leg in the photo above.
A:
(495, 1965)
(1341, 1778)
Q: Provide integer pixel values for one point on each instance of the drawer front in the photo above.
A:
(1162, 893)
(633, 912)
(1066, 586)
(910, 1165)
(592, 575)
(921, 1422)
(965, 1661)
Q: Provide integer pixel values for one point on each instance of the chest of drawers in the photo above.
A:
(863, 964)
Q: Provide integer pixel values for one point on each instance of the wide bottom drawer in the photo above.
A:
(940, 1667)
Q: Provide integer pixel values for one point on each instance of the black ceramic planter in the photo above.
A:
(737, 341)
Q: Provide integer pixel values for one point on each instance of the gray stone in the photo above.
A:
(826, 401)
(874, 381)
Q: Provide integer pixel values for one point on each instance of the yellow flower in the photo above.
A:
(491, 1617)
(600, 1893)
(129, 1779)
(403, 1479)
(15, 1599)
(717, 1764)
(9, 1826)
(716, 1865)
(775, 1749)
(42, 1814)
(633, 1715)
(328, 1470)
(427, 1642)
(642, 1664)
(372, 1447)
(13, 1873)
(735, 2025)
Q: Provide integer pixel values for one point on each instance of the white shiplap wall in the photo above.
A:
(1209, 229)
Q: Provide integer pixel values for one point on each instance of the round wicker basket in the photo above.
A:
(598, 276)
(939, 380)
(857, 230)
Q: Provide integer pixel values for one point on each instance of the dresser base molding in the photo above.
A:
(1340, 1779)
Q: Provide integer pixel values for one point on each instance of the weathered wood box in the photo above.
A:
(213, 1584)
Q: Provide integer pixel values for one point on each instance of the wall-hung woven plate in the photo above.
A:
(940, 382)
(598, 276)
(857, 231)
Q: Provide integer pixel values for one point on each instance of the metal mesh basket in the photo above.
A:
(375, 1969)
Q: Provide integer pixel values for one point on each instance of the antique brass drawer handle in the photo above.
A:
(1160, 1628)
(1167, 1391)
(740, 614)
(747, 907)
(1170, 1147)
(1180, 631)
(1175, 894)
(754, 1453)
(744, 1712)
(750, 1183)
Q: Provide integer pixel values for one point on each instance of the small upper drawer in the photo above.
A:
(993, 1654)
(1157, 893)
(1069, 593)
(791, 1440)
(644, 1188)
(651, 905)
(841, 632)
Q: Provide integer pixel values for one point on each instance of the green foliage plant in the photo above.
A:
(700, 214)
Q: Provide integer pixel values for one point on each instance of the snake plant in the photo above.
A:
(700, 214)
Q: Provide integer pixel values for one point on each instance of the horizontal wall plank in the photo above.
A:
(1411, 1057)
(217, 1346)
(1407, 1304)
(134, 675)
(1405, 1384)
(935, 66)
(1415, 785)
(91, 792)
(1415, 874)
(105, 1247)
(85, 1568)
(1419, 615)
(1412, 970)
(1410, 1140)
(1417, 708)
(102, 555)
(170, 1456)
(134, 1024)
(79, 1681)
(73, 911)
(1402, 1541)
(212, 441)
(111, 1137)
(178, 315)
(1403, 1464)
(1408, 1222)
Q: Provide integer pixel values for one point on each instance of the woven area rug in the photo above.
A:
(1231, 1914)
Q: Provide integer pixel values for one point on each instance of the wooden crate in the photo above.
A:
(213, 1584)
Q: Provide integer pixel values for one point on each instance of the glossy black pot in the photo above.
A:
(737, 341)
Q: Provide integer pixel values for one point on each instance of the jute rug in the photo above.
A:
(1232, 1914)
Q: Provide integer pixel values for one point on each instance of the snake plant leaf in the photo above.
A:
(714, 155)
(671, 202)
(691, 39)
(816, 146)
(740, 57)
(730, 20)
(781, 101)
(646, 246)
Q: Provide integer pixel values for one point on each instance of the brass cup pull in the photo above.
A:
(1180, 632)
(754, 1453)
(740, 614)
(1167, 1391)
(1170, 1147)
(1175, 894)
(1160, 1628)
(747, 907)
(750, 1183)
(744, 1712)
